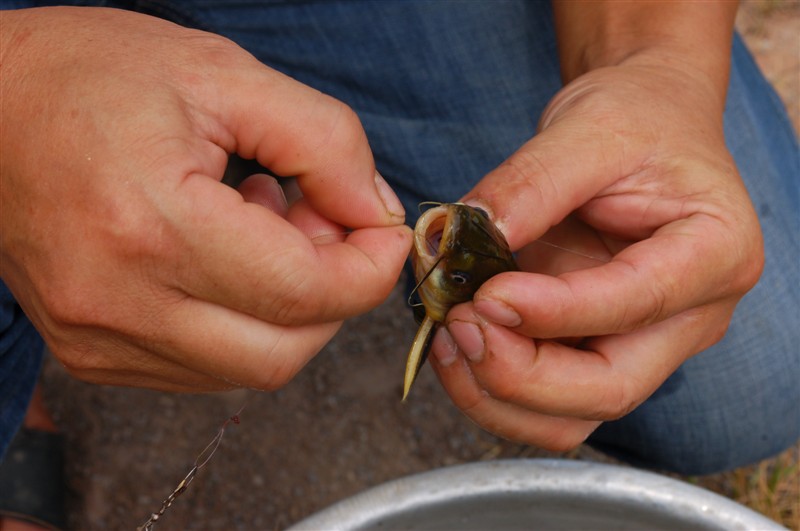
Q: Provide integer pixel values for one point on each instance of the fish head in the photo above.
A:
(456, 249)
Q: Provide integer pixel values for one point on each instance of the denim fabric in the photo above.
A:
(738, 401)
(447, 90)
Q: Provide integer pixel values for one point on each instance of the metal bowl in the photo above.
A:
(536, 494)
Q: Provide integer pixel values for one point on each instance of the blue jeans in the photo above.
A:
(446, 91)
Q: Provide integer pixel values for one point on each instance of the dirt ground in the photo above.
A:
(335, 430)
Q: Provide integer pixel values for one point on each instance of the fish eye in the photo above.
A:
(459, 277)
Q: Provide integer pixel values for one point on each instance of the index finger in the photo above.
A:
(683, 265)
(295, 130)
(248, 258)
(544, 181)
(604, 379)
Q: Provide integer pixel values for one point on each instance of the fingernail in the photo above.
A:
(477, 203)
(469, 339)
(282, 205)
(498, 312)
(447, 351)
(389, 198)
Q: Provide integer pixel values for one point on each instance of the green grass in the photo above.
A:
(771, 487)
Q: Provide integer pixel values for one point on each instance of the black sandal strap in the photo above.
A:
(32, 479)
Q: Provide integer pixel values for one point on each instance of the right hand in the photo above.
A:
(118, 240)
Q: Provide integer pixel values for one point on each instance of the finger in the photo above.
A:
(571, 245)
(501, 418)
(547, 178)
(107, 358)
(295, 130)
(250, 259)
(647, 282)
(198, 336)
(317, 228)
(265, 191)
(193, 348)
(603, 380)
(177, 382)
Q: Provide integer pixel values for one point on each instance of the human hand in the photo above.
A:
(118, 240)
(630, 167)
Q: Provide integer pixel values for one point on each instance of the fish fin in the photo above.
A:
(418, 353)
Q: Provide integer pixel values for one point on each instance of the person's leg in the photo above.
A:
(32, 475)
(20, 360)
(21, 350)
(738, 401)
(447, 90)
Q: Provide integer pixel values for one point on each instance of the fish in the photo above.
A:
(456, 249)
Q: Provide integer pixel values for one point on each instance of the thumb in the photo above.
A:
(560, 169)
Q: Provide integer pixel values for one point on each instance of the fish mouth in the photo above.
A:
(456, 249)
(430, 242)
(429, 235)
(434, 233)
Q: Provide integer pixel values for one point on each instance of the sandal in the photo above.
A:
(32, 479)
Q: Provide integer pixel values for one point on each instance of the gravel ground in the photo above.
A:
(335, 430)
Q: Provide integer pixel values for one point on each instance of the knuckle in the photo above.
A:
(651, 307)
(526, 172)
(750, 271)
(565, 440)
(620, 399)
(276, 378)
(296, 293)
(343, 133)
(215, 49)
(506, 390)
(717, 319)
(655, 309)
(471, 403)
(291, 306)
(284, 362)
(69, 304)
(79, 359)
(716, 333)
(263, 381)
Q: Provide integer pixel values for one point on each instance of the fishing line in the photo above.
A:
(204, 457)
(424, 278)
(600, 259)
(200, 461)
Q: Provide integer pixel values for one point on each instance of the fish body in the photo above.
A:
(456, 249)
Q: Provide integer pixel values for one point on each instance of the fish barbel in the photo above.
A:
(456, 249)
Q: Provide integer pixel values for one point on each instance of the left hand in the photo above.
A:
(636, 152)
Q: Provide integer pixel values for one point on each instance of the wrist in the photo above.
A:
(14, 39)
(18, 63)
(679, 36)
